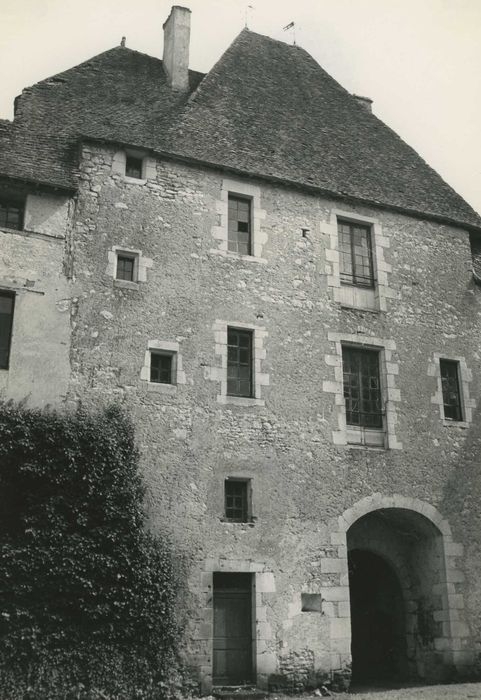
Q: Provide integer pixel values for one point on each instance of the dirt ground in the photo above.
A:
(432, 692)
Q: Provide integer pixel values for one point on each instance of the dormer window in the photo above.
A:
(133, 167)
(11, 214)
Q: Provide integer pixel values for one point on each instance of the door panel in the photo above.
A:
(232, 629)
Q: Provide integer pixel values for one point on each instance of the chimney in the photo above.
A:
(365, 102)
(176, 47)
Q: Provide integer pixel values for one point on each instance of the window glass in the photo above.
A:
(125, 267)
(7, 301)
(356, 264)
(236, 500)
(11, 215)
(161, 368)
(239, 362)
(451, 392)
(133, 167)
(239, 225)
(362, 387)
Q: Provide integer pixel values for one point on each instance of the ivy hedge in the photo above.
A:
(87, 595)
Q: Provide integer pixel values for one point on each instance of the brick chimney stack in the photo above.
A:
(176, 47)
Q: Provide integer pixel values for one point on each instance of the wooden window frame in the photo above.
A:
(237, 363)
(233, 244)
(140, 160)
(378, 415)
(355, 279)
(245, 498)
(172, 370)
(8, 345)
(6, 205)
(455, 380)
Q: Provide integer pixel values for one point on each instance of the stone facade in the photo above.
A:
(312, 491)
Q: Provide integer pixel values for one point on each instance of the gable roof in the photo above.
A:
(266, 109)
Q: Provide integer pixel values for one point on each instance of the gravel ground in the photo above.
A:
(463, 691)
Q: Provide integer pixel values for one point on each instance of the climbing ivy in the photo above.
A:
(87, 596)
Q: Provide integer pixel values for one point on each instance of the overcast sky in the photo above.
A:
(419, 60)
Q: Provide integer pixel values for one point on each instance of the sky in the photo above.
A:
(418, 60)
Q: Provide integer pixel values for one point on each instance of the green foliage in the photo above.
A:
(86, 594)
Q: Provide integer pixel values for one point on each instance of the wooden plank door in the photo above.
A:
(232, 629)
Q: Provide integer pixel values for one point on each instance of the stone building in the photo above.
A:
(281, 293)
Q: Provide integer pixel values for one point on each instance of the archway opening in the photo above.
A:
(397, 588)
(377, 620)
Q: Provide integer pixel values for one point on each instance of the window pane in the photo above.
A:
(362, 387)
(239, 225)
(6, 319)
(356, 265)
(236, 500)
(133, 167)
(11, 214)
(125, 268)
(239, 362)
(161, 366)
(451, 391)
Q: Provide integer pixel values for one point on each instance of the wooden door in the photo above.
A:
(232, 629)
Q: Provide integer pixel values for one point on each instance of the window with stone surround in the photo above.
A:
(7, 303)
(239, 362)
(133, 166)
(238, 232)
(127, 266)
(357, 272)
(355, 248)
(162, 370)
(452, 402)
(237, 506)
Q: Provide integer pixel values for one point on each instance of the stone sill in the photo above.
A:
(126, 284)
(240, 401)
(248, 523)
(359, 308)
(237, 256)
(31, 232)
(455, 424)
(375, 448)
(135, 180)
(162, 388)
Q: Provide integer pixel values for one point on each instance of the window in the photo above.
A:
(356, 264)
(125, 267)
(7, 302)
(11, 214)
(239, 362)
(451, 390)
(237, 500)
(239, 225)
(362, 387)
(311, 602)
(133, 167)
(475, 242)
(162, 368)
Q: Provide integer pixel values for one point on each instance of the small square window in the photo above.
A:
(451, 391)
(162, 367)
(133, 167)
(11, 214)
(7, 302)
(356, 261)
(239, 362)
(311, 602)
(239, 225)
(125, 267)
(237, 500)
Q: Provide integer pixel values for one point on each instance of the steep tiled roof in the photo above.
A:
(266, 109)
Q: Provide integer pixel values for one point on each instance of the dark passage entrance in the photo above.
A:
(232, 629)
(377, 618)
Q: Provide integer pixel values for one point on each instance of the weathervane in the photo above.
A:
(248, 7)
(291, 25)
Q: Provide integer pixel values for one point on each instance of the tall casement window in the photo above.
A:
(239, 362)
(451, 391)
(7, 301)
(356, 263)
(236, 495)
(362, 387)
(11, 214)
(239, 225)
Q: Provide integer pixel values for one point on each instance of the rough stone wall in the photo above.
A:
(32, 266)
(300, 479)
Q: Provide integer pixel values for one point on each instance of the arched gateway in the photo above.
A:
(399, 586)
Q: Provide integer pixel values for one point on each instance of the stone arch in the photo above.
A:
(450, 644)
